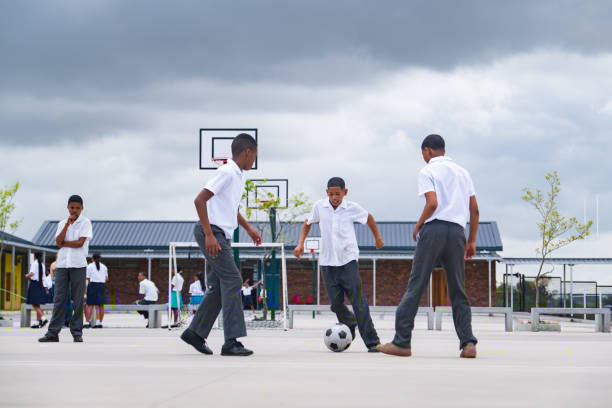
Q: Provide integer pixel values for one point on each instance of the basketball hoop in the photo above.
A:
(220, 161)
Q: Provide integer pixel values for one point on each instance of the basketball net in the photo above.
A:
(220, 161)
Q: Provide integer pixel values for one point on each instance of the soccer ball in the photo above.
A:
(338, 337)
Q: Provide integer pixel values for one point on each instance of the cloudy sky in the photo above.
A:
(105, 99)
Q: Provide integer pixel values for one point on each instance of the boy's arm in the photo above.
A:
(374, 228)
(299, 248)
(470, 248)
(252, 233)
(59, 239)
(431, 204)
(212, 246)
(74, 244)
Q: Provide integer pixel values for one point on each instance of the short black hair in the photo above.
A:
(434, 142)
(75, 199)
(336, 182)
(243, 142)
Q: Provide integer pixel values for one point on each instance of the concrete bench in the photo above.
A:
(26, 313)
(155, 312)
(602, 316)
(441, 310)
(291, 309)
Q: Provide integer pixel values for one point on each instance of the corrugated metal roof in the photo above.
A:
(557, 261)
(13, 238)
(157, 234)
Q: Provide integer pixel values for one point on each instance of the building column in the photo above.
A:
(489, 283)
(374, 283)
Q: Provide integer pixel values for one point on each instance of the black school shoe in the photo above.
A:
(78, 339)
(192, 338)
(235, 348)
(49, 338)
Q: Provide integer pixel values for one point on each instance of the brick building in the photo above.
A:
(128, 247)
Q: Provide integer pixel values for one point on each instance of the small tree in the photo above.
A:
(555, 230)
(297, 207)
(7, 206)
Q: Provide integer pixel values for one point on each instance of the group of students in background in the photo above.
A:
(42, 284)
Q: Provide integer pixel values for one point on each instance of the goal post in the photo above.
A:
(172, 264)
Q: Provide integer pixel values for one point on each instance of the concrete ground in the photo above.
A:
(137, 367)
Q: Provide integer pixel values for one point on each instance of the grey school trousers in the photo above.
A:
(439, 242)
(345, 279)
(224, 293)
(73, 278)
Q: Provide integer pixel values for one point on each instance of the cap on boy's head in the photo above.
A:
(434, 142)
(243, 142)
(336, 182)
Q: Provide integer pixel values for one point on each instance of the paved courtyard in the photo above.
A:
(137, 367)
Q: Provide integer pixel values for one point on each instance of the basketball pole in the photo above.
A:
(314, 278)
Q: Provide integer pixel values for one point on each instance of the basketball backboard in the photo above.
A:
(267, 190)
(312, 245)
(216, 146)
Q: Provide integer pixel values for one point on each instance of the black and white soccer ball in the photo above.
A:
(338, 337)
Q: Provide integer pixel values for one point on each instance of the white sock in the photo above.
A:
(98, 322)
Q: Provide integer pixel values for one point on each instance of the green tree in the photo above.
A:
(7, 206)
(555, 230)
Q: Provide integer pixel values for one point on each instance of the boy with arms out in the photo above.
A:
(72, 238)
(449, 200)
(339, 257)
(217, 206)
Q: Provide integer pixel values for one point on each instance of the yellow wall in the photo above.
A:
(10, 301)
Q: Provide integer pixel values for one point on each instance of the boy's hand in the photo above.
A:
(71, 219)
(470, 250)
(255, 236)
(212, 246)
(379, 243)
(415, 233)
(298, 251)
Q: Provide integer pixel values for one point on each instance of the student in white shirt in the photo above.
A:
(217, 206)
(97, 276)
(150, 292)
(36, 291)
(247, 294)
(195, 290)
(177, 294)
(339, 257)
(72, 237)
(450, 199)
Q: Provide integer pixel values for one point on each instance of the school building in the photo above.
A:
(129, 247)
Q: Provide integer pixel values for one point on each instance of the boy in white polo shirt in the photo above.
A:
(339, 257)
(217, 206)
(72, 238)
(440, 234)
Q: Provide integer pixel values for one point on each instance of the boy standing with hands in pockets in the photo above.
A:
(217, 206)
(339, 257)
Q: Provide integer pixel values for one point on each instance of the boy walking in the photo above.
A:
(72, 238)
(339, 257)
(449, 200)
(217, 206)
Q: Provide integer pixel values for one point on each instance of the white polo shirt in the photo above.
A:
(246, 290)
(338, 240)
(195, 289)
(34, 269)
(177, 281)
(453, 187)
(47, 282)
(227, 185)
(148, 289)
(74, 257)
(97, 276)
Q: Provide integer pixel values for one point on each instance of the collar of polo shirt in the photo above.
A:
(342, 204)
(439, 158)
(234, 165)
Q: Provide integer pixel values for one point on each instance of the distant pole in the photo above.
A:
(148, 252)
(314, 279)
